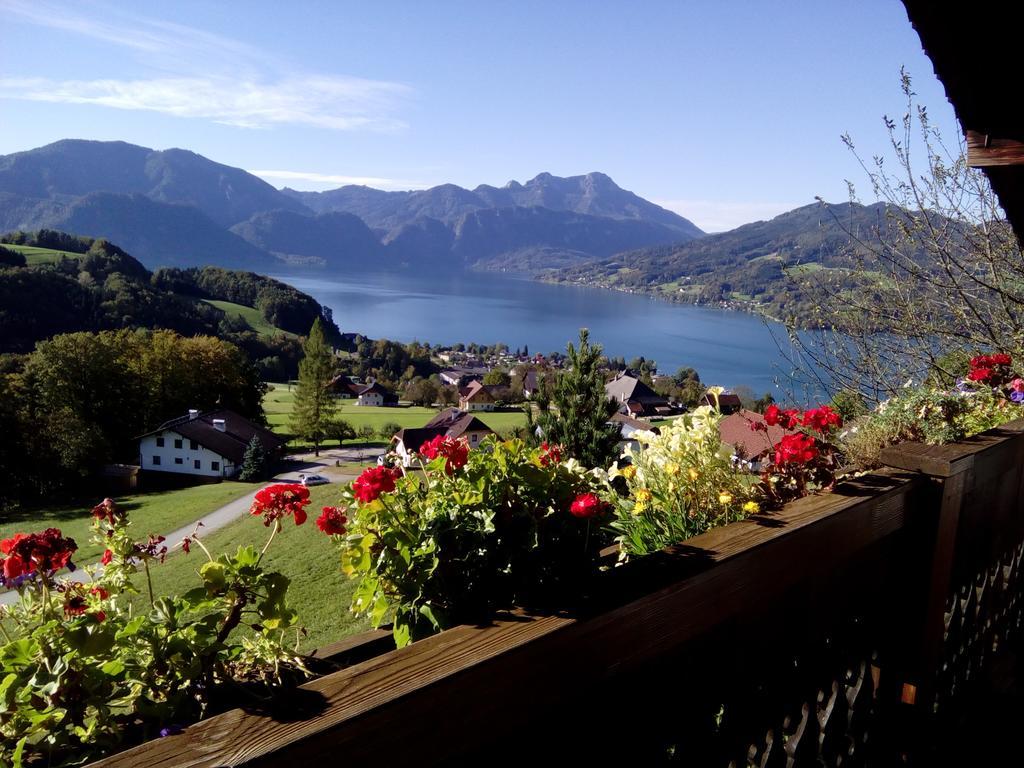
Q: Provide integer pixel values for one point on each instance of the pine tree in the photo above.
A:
(315, 404)
(577, 414)
(255, 461)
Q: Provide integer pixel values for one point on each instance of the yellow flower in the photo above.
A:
(643, 500)
(671, 487)
(673, 469)
(724, 498)
(628, 472)
(693, 473)
(751, 507)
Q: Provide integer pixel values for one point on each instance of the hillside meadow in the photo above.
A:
(280, 399)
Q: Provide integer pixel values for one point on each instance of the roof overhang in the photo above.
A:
(976, 54)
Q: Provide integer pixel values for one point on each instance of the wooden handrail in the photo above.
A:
(448, 692)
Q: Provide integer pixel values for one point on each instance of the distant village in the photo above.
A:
(470, 381)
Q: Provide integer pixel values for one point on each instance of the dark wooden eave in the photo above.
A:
(976, 53)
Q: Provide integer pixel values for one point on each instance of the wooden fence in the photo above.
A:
(863, 627)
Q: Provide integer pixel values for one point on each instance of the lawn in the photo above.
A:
(158, 512)
(251, 316)
(279, 400)
(34, 255)
(319, 591)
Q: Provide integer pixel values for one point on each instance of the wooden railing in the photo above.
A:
(852, 628)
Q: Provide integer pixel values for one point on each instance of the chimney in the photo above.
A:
(193, 413)
(219, 425)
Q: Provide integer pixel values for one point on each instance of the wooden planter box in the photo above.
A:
(846, 625)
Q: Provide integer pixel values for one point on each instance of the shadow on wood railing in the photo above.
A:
(852, 628)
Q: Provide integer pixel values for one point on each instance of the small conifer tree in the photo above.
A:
(577, 414)
(315, 404)
(255, 462)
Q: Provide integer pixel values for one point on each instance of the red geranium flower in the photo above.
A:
(276, 501)
(106, 509)
(775, 416)
(40, 552)
(373, 482)
(456, 452)
(1000, 359)
(795, 449)
(100, 592)
(332, 521)
(586, 505)
(107, 557)
(550, 454)
(981, 374)
(821, 419)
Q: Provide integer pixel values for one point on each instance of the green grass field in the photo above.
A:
(34, 255)
(251, 316)
(319, 591)
(279, 400)
(157, 512)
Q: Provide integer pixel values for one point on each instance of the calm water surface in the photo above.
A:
(727, 348)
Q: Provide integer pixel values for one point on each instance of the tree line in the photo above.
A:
(80, 400)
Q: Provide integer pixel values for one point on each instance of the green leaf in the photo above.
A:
(214, 576)
(401, 634)
(246, 557)
(114, 667)
(19, 653)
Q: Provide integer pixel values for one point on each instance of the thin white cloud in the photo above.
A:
(720, 216)
(331, 179)
(200, 74)
(338, 103)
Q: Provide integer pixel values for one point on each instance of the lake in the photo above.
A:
(725, 347)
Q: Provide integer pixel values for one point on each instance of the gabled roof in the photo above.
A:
(456, 422)
(735, 430)
(625, 388)
(367, 389)
(475, 390)
(231, 443)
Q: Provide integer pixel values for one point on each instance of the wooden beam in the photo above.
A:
(985, 151)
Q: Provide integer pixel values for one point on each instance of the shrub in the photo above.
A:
(989, 395)
(680, 483)
(478, 531)
(79, 673)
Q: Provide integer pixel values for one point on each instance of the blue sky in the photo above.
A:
(725, 112)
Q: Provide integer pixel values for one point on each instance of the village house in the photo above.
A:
(476, 397)
(628, 426)
(727, 403)
(375, 394)
(750, 448)
(207, 445)
(461, 377)
(636, 398)
(450, 422)
(344, 387)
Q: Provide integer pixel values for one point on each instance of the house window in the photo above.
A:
(156, 461)
(473, 437)
(193, 445)
(159, 442)
(177, 444)
(178, 460)
(215, 466)
(196, 464)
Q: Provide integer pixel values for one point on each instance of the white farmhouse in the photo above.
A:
(208, 444)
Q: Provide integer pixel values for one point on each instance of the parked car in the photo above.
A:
(313, 480)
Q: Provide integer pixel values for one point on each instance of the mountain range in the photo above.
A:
(178, 208)
(771, 266)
